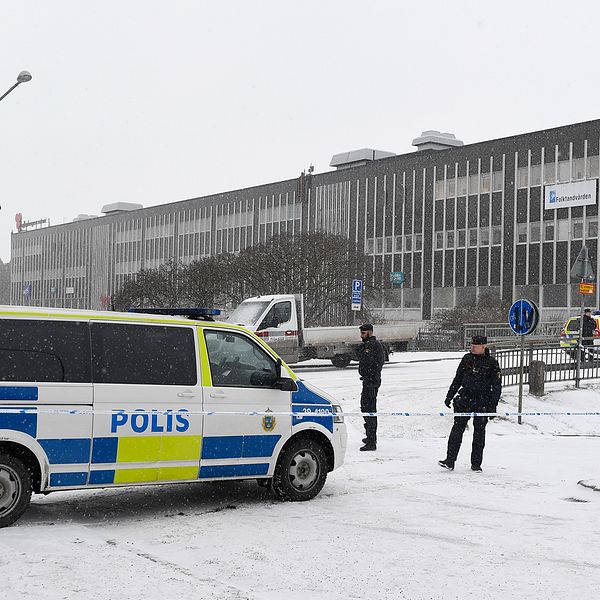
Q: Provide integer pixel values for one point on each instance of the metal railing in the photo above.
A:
(501, 331)
(560, 363)
(437, 338)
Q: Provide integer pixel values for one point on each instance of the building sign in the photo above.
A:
(565, 195)
(587, 288)
(397, 278)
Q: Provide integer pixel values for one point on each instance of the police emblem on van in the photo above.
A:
(269, 422)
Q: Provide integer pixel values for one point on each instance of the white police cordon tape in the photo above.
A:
(299, 415)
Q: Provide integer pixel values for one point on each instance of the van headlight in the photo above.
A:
(338, 417)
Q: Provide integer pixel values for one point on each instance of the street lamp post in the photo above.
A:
(22, 77)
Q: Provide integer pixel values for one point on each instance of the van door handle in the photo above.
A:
(186, 394)
(217, 395)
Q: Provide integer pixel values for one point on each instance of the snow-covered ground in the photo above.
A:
(389, 524)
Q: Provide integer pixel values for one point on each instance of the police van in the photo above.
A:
(98, 399)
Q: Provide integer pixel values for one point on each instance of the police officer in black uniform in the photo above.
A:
(371, 358)
(478, 382)
(589, 327)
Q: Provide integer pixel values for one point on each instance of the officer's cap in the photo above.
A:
(477, 340)
(366, 327)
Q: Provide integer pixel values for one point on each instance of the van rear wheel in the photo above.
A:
(301, 471)
(15, 489)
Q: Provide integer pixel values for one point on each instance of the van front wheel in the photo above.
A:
(15, 489)
(301, 471)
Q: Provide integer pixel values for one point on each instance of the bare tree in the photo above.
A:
(321, 266)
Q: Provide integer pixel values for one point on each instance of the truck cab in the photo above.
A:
(277, 319)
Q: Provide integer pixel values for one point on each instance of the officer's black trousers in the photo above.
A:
(368, 403)
(455, 439)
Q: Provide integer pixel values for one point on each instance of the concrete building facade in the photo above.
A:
(460, 221)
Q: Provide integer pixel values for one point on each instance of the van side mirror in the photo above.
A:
(278, 368)
(285, 384)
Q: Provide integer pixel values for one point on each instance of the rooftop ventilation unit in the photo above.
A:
(119, 207)
(357, 158)
(82, 217)
(435, 140)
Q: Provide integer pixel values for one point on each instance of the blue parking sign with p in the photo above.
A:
(357, 285)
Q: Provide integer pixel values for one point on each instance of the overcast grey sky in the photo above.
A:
(153, 102)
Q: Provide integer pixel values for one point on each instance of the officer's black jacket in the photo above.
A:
(371, 357)
(479, 378)
(589, 325)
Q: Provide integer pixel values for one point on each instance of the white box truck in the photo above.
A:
(279, 320)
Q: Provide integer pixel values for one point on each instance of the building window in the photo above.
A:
(496, 235)
(389, 243)
(473, 236)
(521, 233)
(592, 229)
(484, 237)
(408, 243)
(449, 239)
(379, 245)
(398, 243)
(578, 168)
(564, 170)
(474, 184)
(549, 173)
(534, 232)
(370, 245)
(497, 181)
(485, 183)
(535, 175)
(439, 189)
(439, 240)
(522, 177)
(549, 231)
(461, 186)
(451, 192)
(592, 167)
(418, 242)
(577, 229)
(563, 230)
(462, 236)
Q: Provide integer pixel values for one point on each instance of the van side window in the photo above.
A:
(36, 350)
(143, 354)
(279, 313)
(237, 361)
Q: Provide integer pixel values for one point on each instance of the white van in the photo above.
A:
(97, 399)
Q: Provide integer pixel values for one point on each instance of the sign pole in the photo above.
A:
(522, 361)
(579, 343)
(583, 270)
(523, 317)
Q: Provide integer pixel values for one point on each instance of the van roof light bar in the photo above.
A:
(198, 314)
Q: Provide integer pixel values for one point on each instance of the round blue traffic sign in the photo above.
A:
(523, 317)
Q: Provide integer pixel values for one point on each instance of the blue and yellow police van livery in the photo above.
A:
(97, 399)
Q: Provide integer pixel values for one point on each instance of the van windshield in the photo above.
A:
(248, 313)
